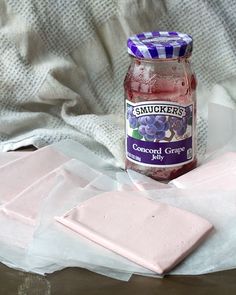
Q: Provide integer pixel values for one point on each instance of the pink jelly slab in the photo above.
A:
(151, 234)
(21, 173)
(26, 206)
(219, 173)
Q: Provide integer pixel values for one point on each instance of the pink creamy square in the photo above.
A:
(21, 173)
(151, 234)
(26, 206)
(219, 173)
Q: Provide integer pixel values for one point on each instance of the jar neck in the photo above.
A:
(183, 59)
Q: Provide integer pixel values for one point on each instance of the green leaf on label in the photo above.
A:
(190, 121)
(136, 134)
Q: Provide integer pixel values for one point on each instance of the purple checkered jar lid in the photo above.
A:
(153, 45)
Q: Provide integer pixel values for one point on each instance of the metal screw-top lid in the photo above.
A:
(153, 45)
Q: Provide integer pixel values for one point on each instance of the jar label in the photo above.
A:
(159, 133)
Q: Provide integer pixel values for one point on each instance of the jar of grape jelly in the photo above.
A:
(160, 93)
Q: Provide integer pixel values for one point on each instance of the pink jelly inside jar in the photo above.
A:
(169, 80)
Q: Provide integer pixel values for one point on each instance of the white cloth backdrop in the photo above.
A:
(63, 62)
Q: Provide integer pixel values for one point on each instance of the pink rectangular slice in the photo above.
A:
(219, 173)
(26, 205)
(151, 234)
(21, 173)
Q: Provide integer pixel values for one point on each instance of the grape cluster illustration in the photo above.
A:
(155, 127)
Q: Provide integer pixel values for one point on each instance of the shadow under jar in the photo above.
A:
(160, 106)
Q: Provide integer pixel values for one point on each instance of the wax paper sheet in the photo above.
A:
(43, 246)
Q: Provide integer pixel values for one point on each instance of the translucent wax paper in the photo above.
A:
(44, 246)
(221, 130)
(73, 149)
(5, 158)
(132, 180)
(144, 183)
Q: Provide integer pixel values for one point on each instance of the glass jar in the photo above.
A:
(160, 93)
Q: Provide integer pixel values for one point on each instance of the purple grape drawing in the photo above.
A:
(150, 129)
